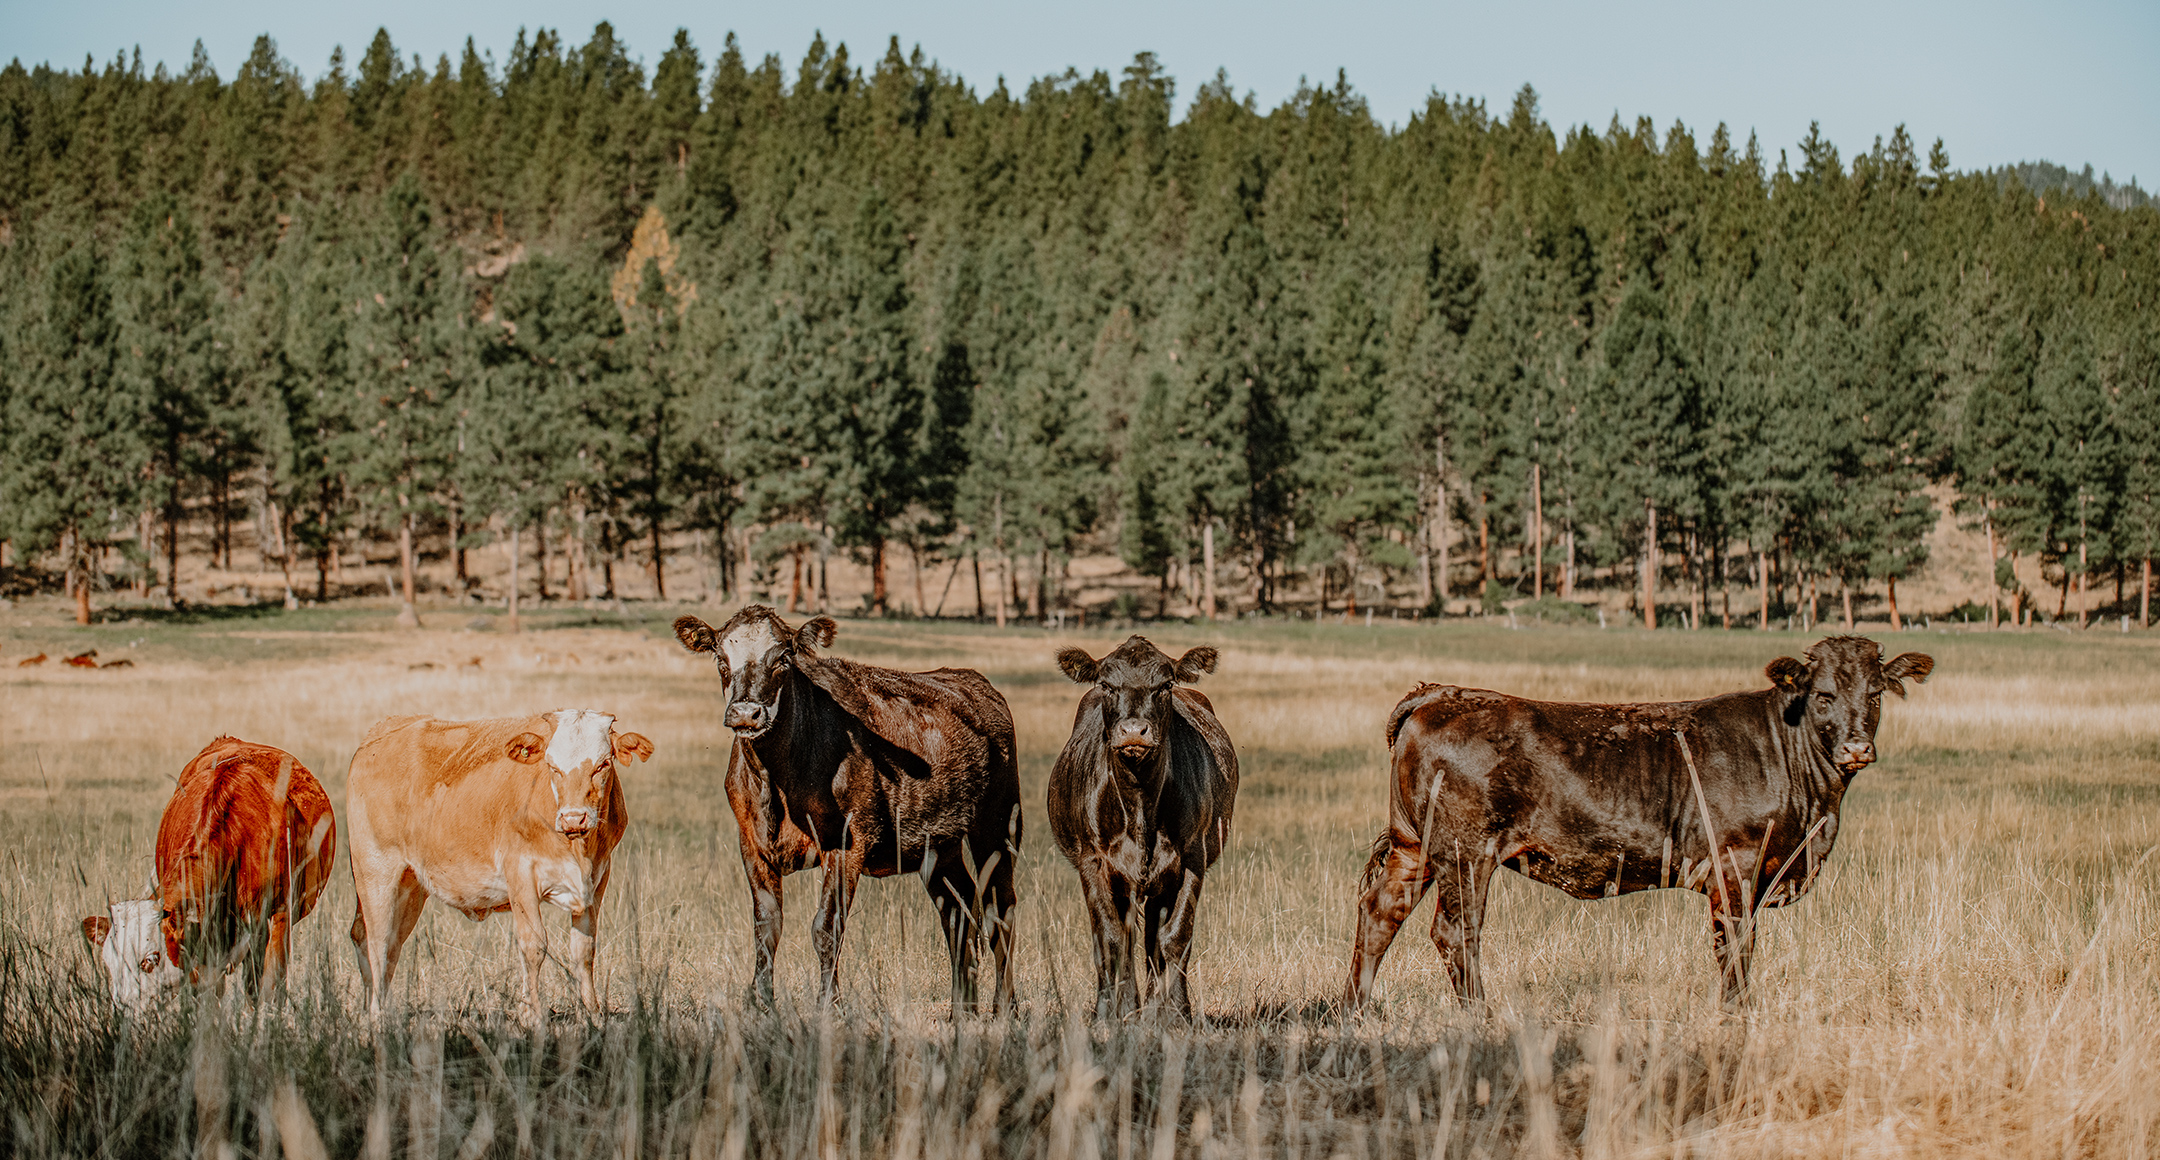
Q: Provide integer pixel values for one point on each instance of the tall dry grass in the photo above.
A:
(1975, 971)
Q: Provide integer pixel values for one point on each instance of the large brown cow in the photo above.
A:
(487, 816)
(1735, 797)
(1140, 800)
(866, 770)
(243, 851)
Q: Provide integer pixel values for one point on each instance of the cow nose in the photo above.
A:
(1133, 738)
(1854, 754)
(746, 715)
(574, 823)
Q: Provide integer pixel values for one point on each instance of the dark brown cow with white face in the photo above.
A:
(1735, 797)
(866, 770)
(1140, 801)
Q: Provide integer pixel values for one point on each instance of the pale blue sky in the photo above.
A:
(1999, 82)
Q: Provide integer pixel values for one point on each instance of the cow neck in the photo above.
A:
(783, 751)
(1807, 769)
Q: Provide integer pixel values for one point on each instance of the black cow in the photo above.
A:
(1140, 801)
(866, 770)
(1601, 800)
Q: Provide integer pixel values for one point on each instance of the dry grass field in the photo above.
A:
(1979, 971)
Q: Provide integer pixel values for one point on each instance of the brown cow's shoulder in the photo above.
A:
(890, 702)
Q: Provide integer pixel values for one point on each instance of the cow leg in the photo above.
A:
(1732, 939)
(765, 919)
(1172, 938)
(1110, 905)
(585, 941)
(842, 869)
(953, 894)
(1461, 881)
(266, 968)
(389, 909)
(1396, 878)
(532, 943)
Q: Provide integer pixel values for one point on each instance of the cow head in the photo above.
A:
(581, 758)
(129, 943)
(756, 652)
(1135, 682)
(1837, 691)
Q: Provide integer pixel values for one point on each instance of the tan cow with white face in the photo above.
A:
(487, 816)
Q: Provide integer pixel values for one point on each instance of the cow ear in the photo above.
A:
(1195, 664)
(816, 633)
(1914, 665)
(525, 748)
(1078, 665)
(632, 746)
(95, 928)
(696, 635)
(1786, 673)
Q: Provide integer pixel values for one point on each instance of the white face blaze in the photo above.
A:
(134, 955)
(748, 644)
(582, 743)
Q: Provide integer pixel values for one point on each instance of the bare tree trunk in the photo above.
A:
(1424, 558)
(877, 577)
(408, 617)
(1567, 567)
(2145, 593)
(514, 554)
(1845, 590)
(540, 557)
(922, 607)
(2084, 583)
(1765, 565)
(1537, 533)
(1207, 564)
(1896, 625)
(1484, 551)
(997, 540)
(1994, 589)
(659, 563)
(1440, 493)
(824, 574)
(976, 556)
(794, 596)
(457, 545)
(172, 553)
(1649, 564)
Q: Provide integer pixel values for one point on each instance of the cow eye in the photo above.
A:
(1826, 698)
(149, 964)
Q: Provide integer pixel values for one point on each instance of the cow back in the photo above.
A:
(435, 788)
(1201, 787)
(228, 849)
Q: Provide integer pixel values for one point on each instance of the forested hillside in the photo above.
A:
(1274, 356)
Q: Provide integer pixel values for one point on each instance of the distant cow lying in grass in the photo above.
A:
(1140, 801)
(866, 770)
(243, 851)
(1735, 797)
(487, 816)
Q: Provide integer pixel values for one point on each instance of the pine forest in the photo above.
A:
(1284, 361)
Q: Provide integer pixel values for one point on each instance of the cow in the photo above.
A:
(86, 660)
(1735, 797)
(1140, 801)
(32, 662)
(243, 851)
(488, 816)
(865, 770)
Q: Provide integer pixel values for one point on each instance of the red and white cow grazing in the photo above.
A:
(488, 816)
(243, 852)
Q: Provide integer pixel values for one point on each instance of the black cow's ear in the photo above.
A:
(1786, 673)
(696, 635)
(1914, 665)
(1195, 664)
(816, 633)
(1077, 664)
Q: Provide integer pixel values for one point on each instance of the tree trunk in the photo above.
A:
(172, 554)
(1484, 550)
(514, 553)
(1896, 625)
(997, 540)
(540, 556)
(1425, 563)
(408, 617)
(794, 595)
(82, 596)
(1845, 590)
(1649, 564)
(1005, 585)
(1207, 564)
(1567, 566)
(457, 545)
(922, 606)
(1994, 588)
(976, 557)
(824, 576)
(2145, 593)
(1440, 582)
(659, 562)
(2084, 582)
(877, 577)
(1765, 565)
(1537, 533)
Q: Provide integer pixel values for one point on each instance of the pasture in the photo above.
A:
(1979, 968)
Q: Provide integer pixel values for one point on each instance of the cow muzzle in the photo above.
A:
(749, 718)
(574, 823)
(1133, 740)
(1854, 756)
